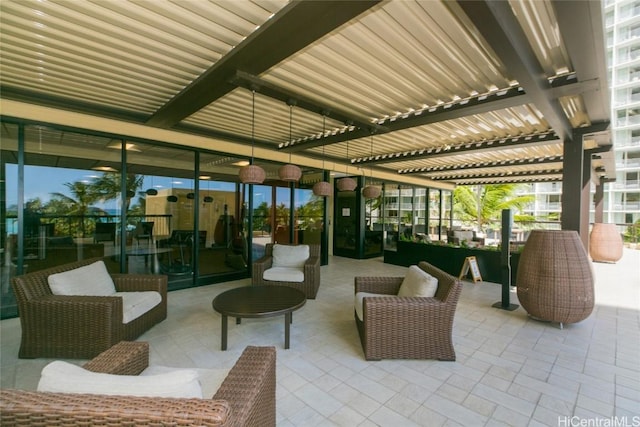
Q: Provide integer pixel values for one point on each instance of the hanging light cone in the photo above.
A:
(290, 172)
(252, 174)
(152, 192)
(371, 192)
(172, 199)
(323, 189)
(346, 184)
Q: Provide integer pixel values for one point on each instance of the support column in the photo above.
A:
(598, 201)
(573, 186)
(585, 202)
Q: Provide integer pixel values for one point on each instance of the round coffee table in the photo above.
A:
(258, 301)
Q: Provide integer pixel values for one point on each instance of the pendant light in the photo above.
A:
(371, 191)
(347, 184)
(290, 172)
(252, 174)
(323, 188)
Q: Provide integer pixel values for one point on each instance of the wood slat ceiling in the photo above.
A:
(447, 80)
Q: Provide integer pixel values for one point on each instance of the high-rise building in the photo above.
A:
(622, 26)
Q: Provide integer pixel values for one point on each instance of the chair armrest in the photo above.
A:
(258, 268)
(378, 284)
(124, 358)
(140, 282)
(403, 306)
(19, 407)
(250, 387)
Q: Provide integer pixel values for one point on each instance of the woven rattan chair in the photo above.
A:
(80, 327)
(247, 397)
(396, 327)
(311, 271)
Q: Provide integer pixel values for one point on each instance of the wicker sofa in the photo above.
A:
(80, 327)
(311, 267)
(247, 397)
(396, 327)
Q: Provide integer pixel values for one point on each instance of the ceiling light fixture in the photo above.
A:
(323, 188)
(371, 191)
(290, 172)
(252, 174)
(347, 184)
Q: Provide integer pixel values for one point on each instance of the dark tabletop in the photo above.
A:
(259, 301)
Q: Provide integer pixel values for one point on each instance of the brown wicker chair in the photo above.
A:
(80, 327)
(311, 271)
(396, 327)
(247, 397)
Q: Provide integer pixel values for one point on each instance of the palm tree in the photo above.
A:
(483, 204)
(79, 204)
(107, 187)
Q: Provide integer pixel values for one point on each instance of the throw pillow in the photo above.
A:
(64, 377)
(418, 283)
(92, 280)
(290, 255)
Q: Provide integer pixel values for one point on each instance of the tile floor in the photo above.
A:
(511, 370)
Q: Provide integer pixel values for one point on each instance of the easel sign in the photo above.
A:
(471, 263)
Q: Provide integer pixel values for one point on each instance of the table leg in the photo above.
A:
(224, 333)
(287, 327)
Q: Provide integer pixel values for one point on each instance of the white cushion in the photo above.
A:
(290, 255)
(284, 274)
(210, 379)
(92, 280)
(359, 302)
(135, 304)
(64, 377)
(418, 283)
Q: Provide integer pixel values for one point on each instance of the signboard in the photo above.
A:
(471, 264)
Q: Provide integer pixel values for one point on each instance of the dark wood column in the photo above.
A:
(572, 184)
(598, 201)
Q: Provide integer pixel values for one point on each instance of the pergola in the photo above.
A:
(433, 93)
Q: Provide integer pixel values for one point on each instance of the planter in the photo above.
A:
(605, 243)
(451, 259)
(555, 282)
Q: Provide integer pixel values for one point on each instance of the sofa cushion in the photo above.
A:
(92, 280)
(290, 255)
(64, 377)
(284, 274)
(358, 304)
(135, 304)
(418, 283)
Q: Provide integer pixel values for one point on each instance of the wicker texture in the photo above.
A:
(290, 173)
(322, 189)
(311, 281)
(80, 327)
(605, 243)
(252, 174)
(555, 281)
(408, 327)
(245, 398)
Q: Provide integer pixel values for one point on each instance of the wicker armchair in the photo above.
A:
(247, 397)
(80, 327)
(311, 271)
(396, 327)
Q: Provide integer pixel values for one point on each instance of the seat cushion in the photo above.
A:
(284, 274)
(135, 304)
(91, 280)
(64, 377)
(358, 304)
(290, 255)
(418, 283)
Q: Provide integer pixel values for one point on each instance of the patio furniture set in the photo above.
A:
(408, 317)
